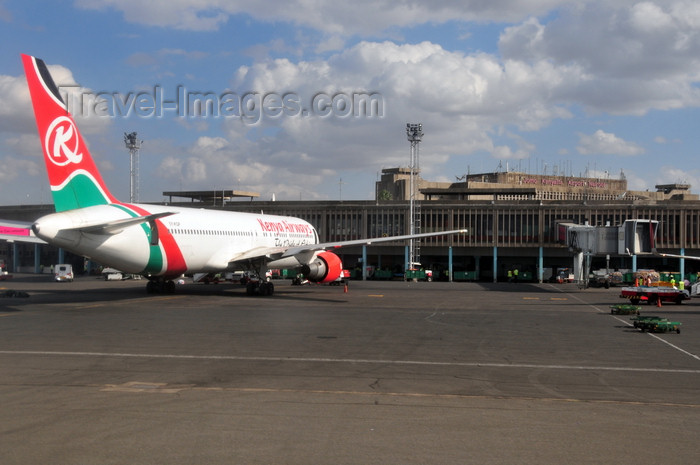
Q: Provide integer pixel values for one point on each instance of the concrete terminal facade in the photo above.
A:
(511, 220)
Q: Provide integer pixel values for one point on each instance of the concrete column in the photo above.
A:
(364, 263)
(578, 266)
(15, 258)
(449, 264)
(37, 257)
(540, 265)
(495, 264)
(682, 264)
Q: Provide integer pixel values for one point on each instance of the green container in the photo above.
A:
(383, 274)
(465, 276)
(415, 274)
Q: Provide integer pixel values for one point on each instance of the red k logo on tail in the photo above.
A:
(61, 142)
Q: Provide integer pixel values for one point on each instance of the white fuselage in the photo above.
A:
(190, 240)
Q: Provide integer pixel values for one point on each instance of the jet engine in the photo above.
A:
(324, 268)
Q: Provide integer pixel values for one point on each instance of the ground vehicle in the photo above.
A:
(603, 278)
(111, 274)
(344, 276)
(564, 276)
(419, 273)
(656, 324)
(63, 272)
(654, 294)
(3, 273)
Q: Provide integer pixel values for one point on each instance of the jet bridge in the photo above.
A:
(633, 237)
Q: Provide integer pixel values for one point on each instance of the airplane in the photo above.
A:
(156, 241)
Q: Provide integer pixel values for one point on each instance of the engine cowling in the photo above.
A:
(324, 268)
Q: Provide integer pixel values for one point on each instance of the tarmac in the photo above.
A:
(99, 372)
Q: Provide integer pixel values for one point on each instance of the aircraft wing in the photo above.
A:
(307, 250)
(259, 252)
(670, 255)
(14, 231)
(336, 245)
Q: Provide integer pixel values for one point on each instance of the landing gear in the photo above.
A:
(265, 288)
(160, 287)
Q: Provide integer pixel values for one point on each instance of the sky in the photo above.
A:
(310, 100)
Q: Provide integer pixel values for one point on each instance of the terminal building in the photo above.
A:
(511, 220)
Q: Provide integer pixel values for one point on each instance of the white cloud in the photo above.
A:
(156, 58)
(16, 112)
(365, 17)
(604, 143)
(459, 98)
(674, 175)
(624, 58)
(631, 56)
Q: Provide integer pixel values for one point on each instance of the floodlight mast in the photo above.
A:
(133, 145)
(414, 133)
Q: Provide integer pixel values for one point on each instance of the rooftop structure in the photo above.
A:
(217, 197)
(514, 185)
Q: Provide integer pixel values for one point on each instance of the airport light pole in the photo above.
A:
(414, 133)
(133, 145)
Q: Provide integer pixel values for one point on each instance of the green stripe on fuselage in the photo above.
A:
(155, 256)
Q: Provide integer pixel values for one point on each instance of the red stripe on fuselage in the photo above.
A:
(175, 260)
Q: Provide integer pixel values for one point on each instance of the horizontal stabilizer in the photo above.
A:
(115, 227)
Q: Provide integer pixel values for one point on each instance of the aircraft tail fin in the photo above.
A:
(73, 176)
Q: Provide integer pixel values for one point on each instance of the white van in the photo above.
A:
(63, 272)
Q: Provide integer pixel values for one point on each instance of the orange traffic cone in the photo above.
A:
(658, 301)
(345, 288)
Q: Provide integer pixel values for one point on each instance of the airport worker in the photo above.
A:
(681, 284)
(510, 276)
(515, 275)
(673, 282)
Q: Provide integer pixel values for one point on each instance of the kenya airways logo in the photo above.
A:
(62, 143)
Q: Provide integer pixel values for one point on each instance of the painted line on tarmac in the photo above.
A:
(140, 301)
(163, 388)
(662, 340)
(348, 361)
(683, 351)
